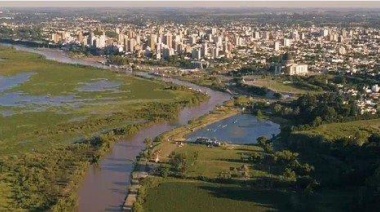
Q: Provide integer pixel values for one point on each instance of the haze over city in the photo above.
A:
(190, 4)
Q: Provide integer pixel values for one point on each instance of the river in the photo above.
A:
(105, 185)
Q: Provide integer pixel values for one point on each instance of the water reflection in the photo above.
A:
(239, 129)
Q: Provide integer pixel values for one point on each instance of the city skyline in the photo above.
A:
(194, 4)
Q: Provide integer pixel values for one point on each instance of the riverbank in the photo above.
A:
(165, 144)
(78, 137)
(205, 163)
(170, 140)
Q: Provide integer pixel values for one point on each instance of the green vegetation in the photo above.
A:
(296, 85)
(277, 85)
(203, 196)
(259, 177)
(61, 123)
(237, 178)
(359, 130)
(321, 167)
(45, 150)
(313, 110)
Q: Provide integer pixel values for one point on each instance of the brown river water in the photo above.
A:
(105, 185)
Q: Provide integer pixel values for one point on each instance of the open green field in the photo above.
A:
(212, 161)
(57, 118)
(185, 195)
(361, 129)
(264, 190)
(189, 196)
(277, 86)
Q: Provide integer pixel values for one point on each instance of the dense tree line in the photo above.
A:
(342, 165)
(313, 110)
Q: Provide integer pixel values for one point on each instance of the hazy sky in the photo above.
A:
(188, 4)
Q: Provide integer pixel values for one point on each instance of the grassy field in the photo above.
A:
(363, 129)
(41, 162)
(277, 85)
(202, 196)
(241, 194)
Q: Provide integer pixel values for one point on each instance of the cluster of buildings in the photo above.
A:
(368, 100)
(314, 49)
(154, 42)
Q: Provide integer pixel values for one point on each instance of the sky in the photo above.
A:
(195, 3)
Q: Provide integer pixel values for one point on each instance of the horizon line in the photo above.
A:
(195, 4)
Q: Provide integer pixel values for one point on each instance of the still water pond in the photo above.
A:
(239, 129)
(8, 82)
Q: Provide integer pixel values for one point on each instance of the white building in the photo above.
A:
(204, 52)
(297, 69)
(276, 46)
(287, 42)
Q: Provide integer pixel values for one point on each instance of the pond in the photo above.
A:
(19, 99)
(9, 82)
(100, 85)
(239, 129)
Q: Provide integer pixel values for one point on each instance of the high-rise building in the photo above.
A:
(91, 38)
(295, 35)
(287, 42)
(193, 40)
(80, 37)
(120, 38)
(196, 54)
(257, 35)
(131, 45)
(168, 40)
(138, 39)
(303, 36)
(276, 46)
(213, 31)
(215, 52)
(100, 41)
(152, 41)
(325, 32)
(158, 54)
(204, 50)
(125, 43)
(237, 40)
(218, 40)
(266, 35)
(167, 52)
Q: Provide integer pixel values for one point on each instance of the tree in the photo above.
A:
(164, 171)
(158, 139)
(290, 175)
(262, 141)
(374, 139)
(179, 162)
(285, 156)
(148, 142)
